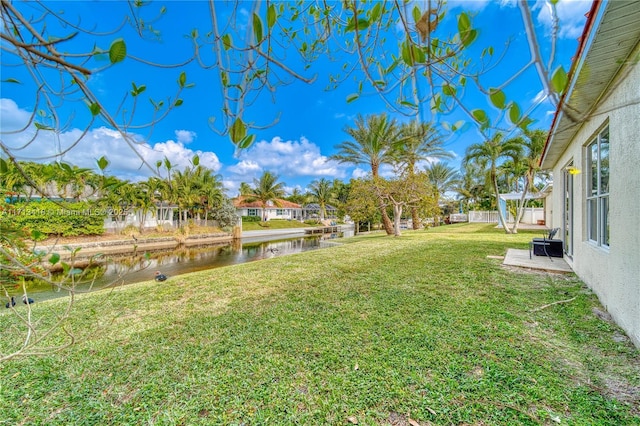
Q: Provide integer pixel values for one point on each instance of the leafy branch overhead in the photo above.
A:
(421, 59)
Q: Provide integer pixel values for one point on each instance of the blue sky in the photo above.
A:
(311, 119)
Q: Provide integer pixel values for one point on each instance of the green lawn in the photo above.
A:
(379, 330)
(274, 224)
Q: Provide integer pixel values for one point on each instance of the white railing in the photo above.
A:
(458, 218)
(487, 217)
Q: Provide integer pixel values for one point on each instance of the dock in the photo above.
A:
(323, 230)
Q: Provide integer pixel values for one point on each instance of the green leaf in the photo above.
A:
(226, 42)
(247, 141)
(94, 108)
(469, 37)
(4, 167)
(55, 258)
(464, 23)
(238, 131)
(103, 162)
(514, 113)
(416, 13)
(178, 102)
(406, 54)
(525, 123)
(362, 24)
(352, 97)
(42, 126)
(272, 15)
(182, 80)
(466, 32)
(117, 51)
(376, 12)
(559, 80)
(480, 115)
(498, 98)
(418, 55)
(11, 80)
(196, 160)
(448, 90)
(257, 28)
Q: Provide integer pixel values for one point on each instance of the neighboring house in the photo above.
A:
(594, 152)
(312, 211)
(277, 209)
(160, 215)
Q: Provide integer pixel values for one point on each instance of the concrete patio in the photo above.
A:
(520, 259)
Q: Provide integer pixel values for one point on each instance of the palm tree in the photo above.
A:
(533, 144)
(473, 186)
(211, 191)
(488, 154)
(321, 192)
(443, 177)
(266, 189)
(245, 188)
(419, 141)
(372, 144)
(298, 197)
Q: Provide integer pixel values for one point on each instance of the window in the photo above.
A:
(252, 212)
(280, 212)
(598, 189)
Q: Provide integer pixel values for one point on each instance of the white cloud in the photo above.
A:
(185, 136)
(570, 14)
(288, 159)
(125, 156)
(359, 173)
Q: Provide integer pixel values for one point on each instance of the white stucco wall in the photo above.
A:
(614, 273)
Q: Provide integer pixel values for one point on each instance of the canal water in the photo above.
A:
(129, 270)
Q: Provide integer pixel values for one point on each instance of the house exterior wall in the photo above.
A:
(272, 213)
(151, 220)
(612, 273)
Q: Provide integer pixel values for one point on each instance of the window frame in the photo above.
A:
(597, 189)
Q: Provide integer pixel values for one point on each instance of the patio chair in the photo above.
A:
(547, 245)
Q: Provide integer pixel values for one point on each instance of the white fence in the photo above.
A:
(530, 216)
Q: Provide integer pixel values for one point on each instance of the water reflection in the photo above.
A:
(130, 269)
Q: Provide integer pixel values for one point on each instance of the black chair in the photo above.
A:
(547, 246)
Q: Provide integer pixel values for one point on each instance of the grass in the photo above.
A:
(379, 330)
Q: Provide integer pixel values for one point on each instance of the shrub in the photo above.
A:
(251, 219)
(62, 219)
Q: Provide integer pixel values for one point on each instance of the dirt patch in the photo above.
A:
(624, 392)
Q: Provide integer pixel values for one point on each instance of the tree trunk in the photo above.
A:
(415, 219)
(521, 207)
(503, 221)
(386, 222)
(397, 213)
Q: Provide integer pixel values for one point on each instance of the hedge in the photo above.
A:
(52, 218)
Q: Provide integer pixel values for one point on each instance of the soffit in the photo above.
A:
(615, 39)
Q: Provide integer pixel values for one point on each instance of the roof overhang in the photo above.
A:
(611, 35)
